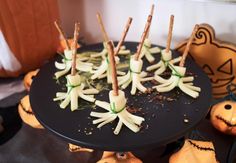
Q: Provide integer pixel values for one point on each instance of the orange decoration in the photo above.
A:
(217, 58)
(27, 114)
(75, 148)
(62, 46)
(28, 79)
(122, 157)
(223, 117)
(28, 27)
(195, 152)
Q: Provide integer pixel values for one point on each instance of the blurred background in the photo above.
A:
(218, 14)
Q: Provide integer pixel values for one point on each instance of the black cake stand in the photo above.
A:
(165, 120)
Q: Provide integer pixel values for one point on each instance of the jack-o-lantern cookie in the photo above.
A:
(26, 113)
(29, 78)
(223, 117)
(217, 58)
(75, 148)
(120, 157)
(195, 152)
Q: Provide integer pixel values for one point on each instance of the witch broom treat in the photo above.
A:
(116, 107)
(121, 50)
(75, 88)
(166, 55)
(147, 49)
(134, 75)
(65, 65)
(178, 78)
(103, 70)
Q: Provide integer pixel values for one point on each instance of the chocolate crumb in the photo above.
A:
(134, 110)
(154, 82)
(153, 116)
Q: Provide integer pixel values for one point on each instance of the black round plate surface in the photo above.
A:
(166, 120)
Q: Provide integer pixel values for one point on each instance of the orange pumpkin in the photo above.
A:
(195, 152)
(29, 31)
(27, 114)
(223, 117)
(113, 157)
(28, 79)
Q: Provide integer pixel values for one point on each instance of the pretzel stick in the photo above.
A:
(76, 34)
(182, 62)
(170, 33)
(151, 13)
(62, 34)
(113, 68)
(123, 35)
(105, 36)
(147, 26)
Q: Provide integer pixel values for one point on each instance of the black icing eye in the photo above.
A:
(228, 106)
(33, 77)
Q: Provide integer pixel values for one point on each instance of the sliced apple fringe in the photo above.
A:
(116, 109)
(75, 90)
(65, 65)
(148, 51)
(177, 79)
(103, 71)
(161, 66)
(134, 76)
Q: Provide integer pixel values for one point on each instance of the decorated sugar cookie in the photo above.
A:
(195, 152)
(26, 113)
(223, 114)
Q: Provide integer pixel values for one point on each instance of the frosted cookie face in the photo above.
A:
(223, 117)
(195, 152)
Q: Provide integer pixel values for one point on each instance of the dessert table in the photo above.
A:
(165, 121)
